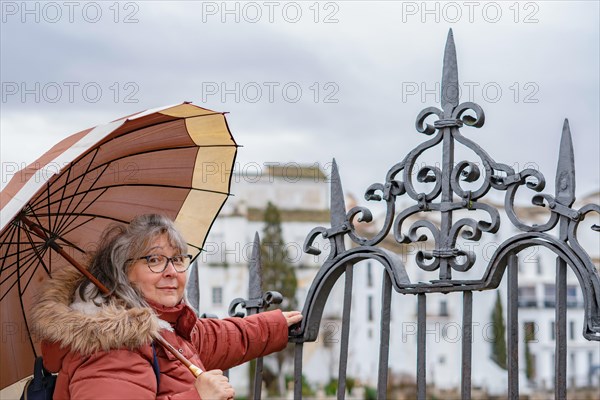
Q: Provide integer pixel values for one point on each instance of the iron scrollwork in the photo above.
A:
(448, 195)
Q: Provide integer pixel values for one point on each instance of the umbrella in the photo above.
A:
(175, 160)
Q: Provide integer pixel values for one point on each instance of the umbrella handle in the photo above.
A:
(193, 368)
(56, 247)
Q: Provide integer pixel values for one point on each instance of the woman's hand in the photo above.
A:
(214, 385)
(292, 317)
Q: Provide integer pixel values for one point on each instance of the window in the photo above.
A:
(573, 368)
(443, 308)
(552, 330)
(572, 330)
(532, 366)
(590, 357)
(370, 308)
(217, 295)
(538, 265)
(549, 295)
(553, 370)
(529, 331)
(572, 296)
(369, 275)
(527, 297)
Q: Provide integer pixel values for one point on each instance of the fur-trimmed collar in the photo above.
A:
(60, 316)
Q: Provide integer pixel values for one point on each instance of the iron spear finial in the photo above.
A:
(450, 91)
(565, 170)
(255, 274)
(337, 205)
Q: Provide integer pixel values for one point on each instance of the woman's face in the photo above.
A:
(164, 288)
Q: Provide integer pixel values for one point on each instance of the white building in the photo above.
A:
(301, 194)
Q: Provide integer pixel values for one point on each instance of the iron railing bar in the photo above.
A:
(384, 342)
(467, 344)
(513, 327)
(560, 363)
(298, 371)
(421, 332)
(341, 395)
(258, 378)
(258, 370)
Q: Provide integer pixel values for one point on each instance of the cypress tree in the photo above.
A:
(529, 363)
(499, 341)
(278, 275)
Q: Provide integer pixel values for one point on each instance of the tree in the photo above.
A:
(278, 275)
(529, 358)
(499, 342)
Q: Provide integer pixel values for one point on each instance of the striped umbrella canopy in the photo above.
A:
(176, 161)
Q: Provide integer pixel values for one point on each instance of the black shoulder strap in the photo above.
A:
(155, 366)
(41, 386)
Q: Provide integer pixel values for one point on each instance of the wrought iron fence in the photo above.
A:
(447, 197)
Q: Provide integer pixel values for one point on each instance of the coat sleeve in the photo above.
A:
(223, 344)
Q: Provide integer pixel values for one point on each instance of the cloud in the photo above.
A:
(310, 91)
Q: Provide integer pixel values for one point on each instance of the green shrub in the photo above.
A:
(350, 384)
(331, 387)
(307, 390)
(370, 393)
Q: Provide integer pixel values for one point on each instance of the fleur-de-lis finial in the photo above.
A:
(450, 90)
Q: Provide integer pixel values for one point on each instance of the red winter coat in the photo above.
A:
(105, 352)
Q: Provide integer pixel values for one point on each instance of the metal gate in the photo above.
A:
(447, 197)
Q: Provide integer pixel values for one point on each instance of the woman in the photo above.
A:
(101, 345)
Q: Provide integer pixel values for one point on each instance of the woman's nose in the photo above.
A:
(170, 269)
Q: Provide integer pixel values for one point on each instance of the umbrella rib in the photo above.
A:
(58, 235)
(11, 274)
(64, 189)
(48, 204)
(72, 245)
(31, 276)
(151, 185)
(21, 303)
(72, 229)
(96, 216)
(78, 186)
(81, 178)
(35, 250)
(14, 229)
(71, 198)
(66, 224)
(51, 234)
(48, 232)
(16, 264)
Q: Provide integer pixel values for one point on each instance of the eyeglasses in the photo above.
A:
(158, 263)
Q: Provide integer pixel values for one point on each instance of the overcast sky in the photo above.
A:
(306, 82)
